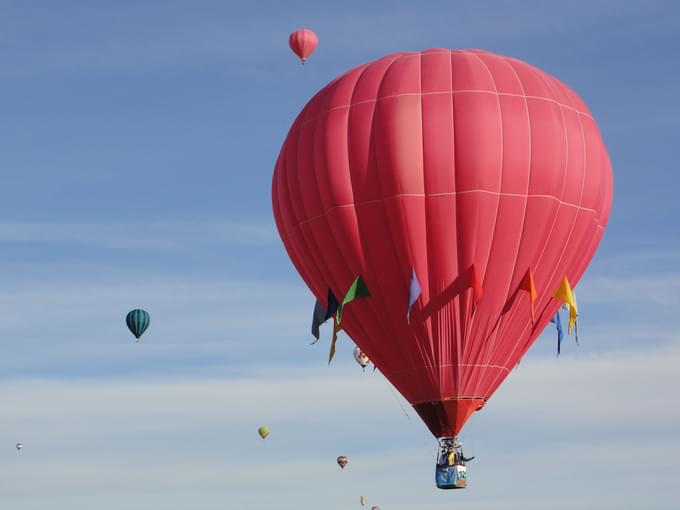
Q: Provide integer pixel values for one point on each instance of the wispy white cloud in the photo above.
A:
(156, 234)
(136, 441)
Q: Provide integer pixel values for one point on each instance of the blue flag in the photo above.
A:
(413, 292)
(318, 318)
(558, 323)
(333, 305)
(322, 314)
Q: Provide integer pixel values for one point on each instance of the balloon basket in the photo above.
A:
(451, 477)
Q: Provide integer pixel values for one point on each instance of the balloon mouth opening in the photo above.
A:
(446, 417)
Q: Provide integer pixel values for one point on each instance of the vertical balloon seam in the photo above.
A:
(508, 318)
(455, 307)
(286, 213)
(481, 357)
(574, 263)
(496, 333)
(486, 355)
(310, 275)
(465, 266)
(356, 321)
(466, 303)
(372, 162)
(435, 327)
(475, 359)
(389, 225)
(470, 304)
(508, 322)
(276, 206)
(299, 170)
(548, 289)
(452, 313)
(511, 316)
(375, 310)
(309, 245)
(318, 273)
(569, 268)
(299, 246)
(280, 223)
(411, 330)
(561, 203)
(290, 198)
(441, 351)
(432, 358)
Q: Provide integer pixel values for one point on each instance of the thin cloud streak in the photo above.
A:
(195, 436)
(155, 234)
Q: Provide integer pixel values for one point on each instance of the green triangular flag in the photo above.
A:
(358, 289)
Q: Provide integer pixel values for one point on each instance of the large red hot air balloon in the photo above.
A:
(449, 163)
(303, 43)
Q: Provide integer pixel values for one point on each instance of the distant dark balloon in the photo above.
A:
(342, 461)
(19, 446)
(137, 321)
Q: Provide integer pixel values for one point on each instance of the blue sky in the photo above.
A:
(137, 143)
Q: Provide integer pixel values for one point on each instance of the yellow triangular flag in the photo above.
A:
(565, 294)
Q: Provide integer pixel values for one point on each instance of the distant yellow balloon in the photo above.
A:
(263, 431)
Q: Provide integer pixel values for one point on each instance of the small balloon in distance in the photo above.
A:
(263, 431)
(303, 42)
(137, 321)
(361, 357)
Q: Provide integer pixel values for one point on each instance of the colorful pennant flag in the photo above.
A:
(333, 305)
(336, 329)
(318, 318)
(560, 334)
(565, 294)
(529, 286)
(414, 292)
(322, 314)
(475, 284)
(573, 293)
(357, 290)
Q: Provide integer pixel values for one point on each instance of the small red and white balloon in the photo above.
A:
(361, 358)
(303, 42)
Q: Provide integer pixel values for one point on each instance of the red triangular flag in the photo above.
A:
(475, 284)
(529, 286)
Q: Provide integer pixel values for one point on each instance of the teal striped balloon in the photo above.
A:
(137, 321)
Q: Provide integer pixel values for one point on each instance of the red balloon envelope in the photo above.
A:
(303, 43)
(443, 161)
